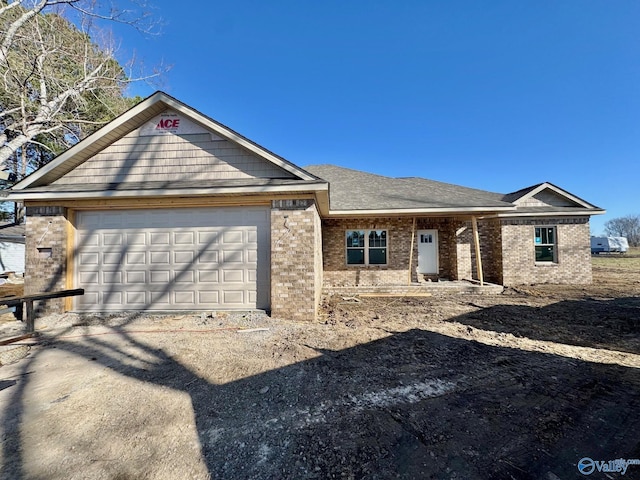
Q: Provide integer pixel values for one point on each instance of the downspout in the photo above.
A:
(413, 238)
(476, 244)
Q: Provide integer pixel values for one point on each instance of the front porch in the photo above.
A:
(387, 255)
(441, 287)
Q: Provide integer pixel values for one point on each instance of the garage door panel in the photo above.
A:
(233, 237)
(173, 259)
(209, 297)
(89, 259)
(233, 297)
(133, 276)
(90, 299)
(111, 258)
(113, 298)
(136, 239)
(89, 278)
(187, 297)
(109, 239)
(112, 278)
(208, 238)
(231, 256)
(159, 258)
(90, 240)
(136, 258)
(160, 299)
(205, 276)
(185, 276)
(139, 298)
(159, 238)
(183, 257)
(209, 256)
(184, 238)
(231, 276)
(160, 277)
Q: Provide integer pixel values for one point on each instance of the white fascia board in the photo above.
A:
(583, 213)
(186, 192)
(419, 211)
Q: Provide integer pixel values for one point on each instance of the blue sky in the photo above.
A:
(496, 95)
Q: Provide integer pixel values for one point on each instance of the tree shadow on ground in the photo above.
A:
(415, 404)
(609, 324)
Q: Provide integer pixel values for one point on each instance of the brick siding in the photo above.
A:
(573, 264)
(399, 230)
(46, 228)
(296, 260)
(490, 234)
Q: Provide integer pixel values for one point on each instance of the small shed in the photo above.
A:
(12, 237)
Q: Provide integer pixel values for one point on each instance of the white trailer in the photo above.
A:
(609, 245)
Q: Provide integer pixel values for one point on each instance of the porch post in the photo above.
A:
(413, 236)
(476, 244)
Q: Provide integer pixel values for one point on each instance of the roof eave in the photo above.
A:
(411, 212)
(23, 195)
(580, 213)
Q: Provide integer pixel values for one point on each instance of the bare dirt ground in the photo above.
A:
(515, 386)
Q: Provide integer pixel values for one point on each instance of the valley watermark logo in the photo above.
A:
(587, 466)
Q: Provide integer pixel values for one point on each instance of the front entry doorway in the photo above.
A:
(427, 252)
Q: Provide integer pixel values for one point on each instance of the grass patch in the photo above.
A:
(627, 261)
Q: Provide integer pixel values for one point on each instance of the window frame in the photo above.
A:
(367, 247)
(544, 232)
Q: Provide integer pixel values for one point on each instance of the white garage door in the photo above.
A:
(173, 259)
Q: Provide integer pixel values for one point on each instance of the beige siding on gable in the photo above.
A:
(546, 198)
(195, 157)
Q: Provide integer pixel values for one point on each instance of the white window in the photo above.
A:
(545, 244)
(366, 247)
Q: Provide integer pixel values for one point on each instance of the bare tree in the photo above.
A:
(59, 76)
(628, 226)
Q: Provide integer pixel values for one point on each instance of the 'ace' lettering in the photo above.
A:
(168, 124)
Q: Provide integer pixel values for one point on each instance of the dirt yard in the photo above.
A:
(521, 385)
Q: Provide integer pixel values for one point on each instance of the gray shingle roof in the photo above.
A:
(356, 190)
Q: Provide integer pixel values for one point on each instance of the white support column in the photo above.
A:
(413, 237)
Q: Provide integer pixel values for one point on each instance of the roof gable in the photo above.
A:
(546, 195)
(155, 118)
(172, 148)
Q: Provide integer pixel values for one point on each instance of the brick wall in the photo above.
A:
(490, 235)
(399, 232)
(46, 255)
(464, 249)
(573, 264)
(296, 260)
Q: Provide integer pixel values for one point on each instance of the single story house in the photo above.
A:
(166, 209)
